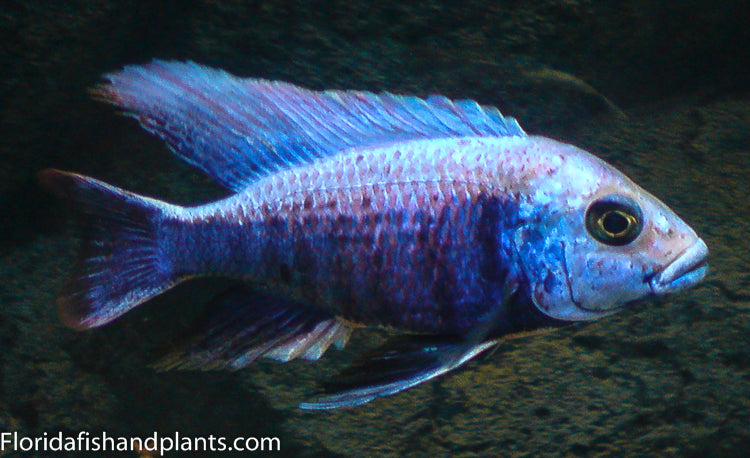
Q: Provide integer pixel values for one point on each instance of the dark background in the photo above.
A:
(659, 89)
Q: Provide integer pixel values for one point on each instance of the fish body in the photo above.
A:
(435, 218)
(415, 236)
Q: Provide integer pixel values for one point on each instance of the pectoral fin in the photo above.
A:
(399, 364)
(407, 361)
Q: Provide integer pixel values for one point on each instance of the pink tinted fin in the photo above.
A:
(311, 346)
(119, 264)
(243, 325)
(239, 129)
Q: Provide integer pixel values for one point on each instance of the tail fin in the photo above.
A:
(120, 264)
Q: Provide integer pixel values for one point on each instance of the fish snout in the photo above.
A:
(685, 271)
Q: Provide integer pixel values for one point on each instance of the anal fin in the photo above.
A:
(311, 345)
(244, 325)
(399, 364)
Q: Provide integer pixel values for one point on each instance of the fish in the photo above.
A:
(441, 221)
(547, 75)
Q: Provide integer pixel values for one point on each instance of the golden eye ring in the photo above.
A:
(614, 220)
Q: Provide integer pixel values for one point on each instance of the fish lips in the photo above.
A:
(685, 271)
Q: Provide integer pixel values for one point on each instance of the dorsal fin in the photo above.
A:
(238, 129)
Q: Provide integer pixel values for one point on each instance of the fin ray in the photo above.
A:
(239, 129)
(120, 263)
(243, 325)
(398, 365)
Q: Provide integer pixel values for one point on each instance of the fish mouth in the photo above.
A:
(685, 271)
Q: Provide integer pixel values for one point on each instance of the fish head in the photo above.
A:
(608, 244)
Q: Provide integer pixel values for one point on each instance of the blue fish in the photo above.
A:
(440, 220)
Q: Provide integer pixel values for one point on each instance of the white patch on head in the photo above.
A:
(574, 201)
(544, 196)
(661, 222)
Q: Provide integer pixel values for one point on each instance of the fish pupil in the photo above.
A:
(615, 222)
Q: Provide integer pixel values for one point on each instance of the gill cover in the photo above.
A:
(541, 253)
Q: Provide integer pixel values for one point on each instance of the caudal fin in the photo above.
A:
(120, 264)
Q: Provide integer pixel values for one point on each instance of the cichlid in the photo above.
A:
(442, 220)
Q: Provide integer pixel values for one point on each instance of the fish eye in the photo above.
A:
(614, 220)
